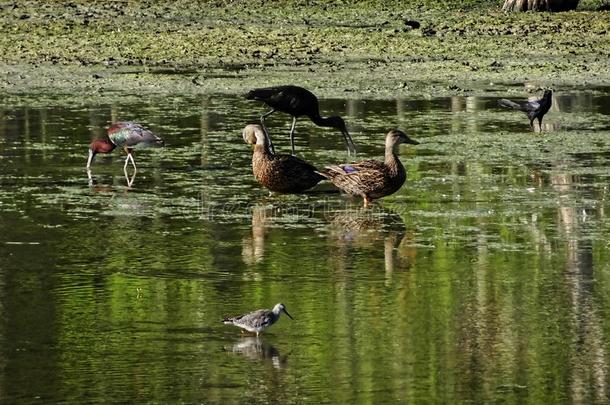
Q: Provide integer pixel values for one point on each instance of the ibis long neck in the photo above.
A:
(321, 121)
(104, 146)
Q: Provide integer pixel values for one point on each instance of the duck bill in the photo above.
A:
(412, 141)
(289, 316)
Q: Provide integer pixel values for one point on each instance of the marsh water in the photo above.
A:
(485, 278)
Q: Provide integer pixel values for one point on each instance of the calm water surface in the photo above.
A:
(486, 278)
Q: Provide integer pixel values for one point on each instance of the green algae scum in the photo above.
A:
(485, 278)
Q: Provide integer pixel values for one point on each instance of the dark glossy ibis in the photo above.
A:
(535, 109)
(373, 179)
(127, 135)
(278, 173)
(297, 102)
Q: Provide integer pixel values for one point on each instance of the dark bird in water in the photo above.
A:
(127, 135)
(298, 102)
(258, 321)
(279, 173)
(372, 179)
(534, 109)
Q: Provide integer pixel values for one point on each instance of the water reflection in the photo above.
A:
(129, 179)
(484, 279)
(257, 349)
(253, 249)
(589, 354)
(375, 228)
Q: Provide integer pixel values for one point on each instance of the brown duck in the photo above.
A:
(372, 179)
(279, 173)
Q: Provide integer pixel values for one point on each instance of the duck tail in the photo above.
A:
(323, 174)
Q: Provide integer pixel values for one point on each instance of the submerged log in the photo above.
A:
(539, 5)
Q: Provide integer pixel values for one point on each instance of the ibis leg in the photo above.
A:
(130, 180)
(351, 146)
(294, 122)
(90, 159)
(90, 177)
(133, 162)
(265, 129)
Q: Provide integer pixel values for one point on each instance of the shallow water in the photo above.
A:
(486, 278)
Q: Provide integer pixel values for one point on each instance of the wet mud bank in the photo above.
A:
(371, 49)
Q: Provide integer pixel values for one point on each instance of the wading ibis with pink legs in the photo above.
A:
(127, 135)
(297, 102)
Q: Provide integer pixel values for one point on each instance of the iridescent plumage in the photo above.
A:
(372, 179)
(127, 135)
(132, 135)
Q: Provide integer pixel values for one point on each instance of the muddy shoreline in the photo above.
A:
(359, 49)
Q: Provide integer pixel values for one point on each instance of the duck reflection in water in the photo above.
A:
(269, 213)
(366, 228)
(253, 247)
(256, 349)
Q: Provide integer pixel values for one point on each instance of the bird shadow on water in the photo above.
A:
(257, 349)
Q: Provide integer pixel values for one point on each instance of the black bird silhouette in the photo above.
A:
(534, 109)
(297, 102)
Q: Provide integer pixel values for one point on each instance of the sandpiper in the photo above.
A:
(259, 320)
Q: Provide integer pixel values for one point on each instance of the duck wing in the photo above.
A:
(296, 168)
(285, 173)
(357, 178)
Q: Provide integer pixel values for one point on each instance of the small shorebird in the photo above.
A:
(259, 320)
